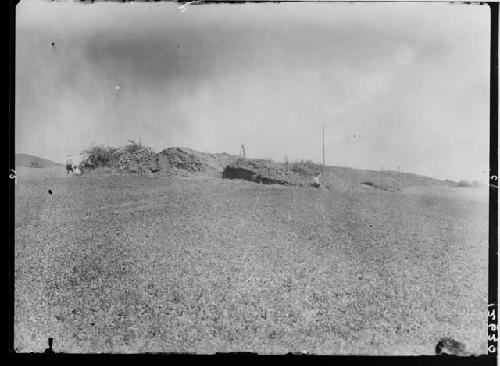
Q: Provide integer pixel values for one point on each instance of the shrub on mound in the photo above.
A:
(130, 158)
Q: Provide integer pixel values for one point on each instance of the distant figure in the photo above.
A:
(49, 350)
(316, 182)
(77, 170)
(69, 164)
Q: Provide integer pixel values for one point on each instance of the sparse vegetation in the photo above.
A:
(106, 156)
(130, 264)
(133, 146)
(305, 167)
(99, 155)
(204, 264)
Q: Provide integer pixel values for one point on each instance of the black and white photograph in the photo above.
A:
(275, 178)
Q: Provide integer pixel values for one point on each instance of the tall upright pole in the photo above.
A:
(323, 172)
(398, 177)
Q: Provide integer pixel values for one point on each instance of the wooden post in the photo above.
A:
(323, 170)
(398, 177)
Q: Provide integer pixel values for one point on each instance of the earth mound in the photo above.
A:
(262, 171)
(184, 161)
(141, 161)
(173, 161)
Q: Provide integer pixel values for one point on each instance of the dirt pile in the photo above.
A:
(173, 161)
(262, 171)
(141, 161)
(178, 158)
(184, 161)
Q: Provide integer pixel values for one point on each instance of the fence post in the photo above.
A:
(398, 177)
(323, 169)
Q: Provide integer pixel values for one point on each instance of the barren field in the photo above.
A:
(141, 264)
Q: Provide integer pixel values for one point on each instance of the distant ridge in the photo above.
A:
(182, 161)
(34, 161)
(185, 161)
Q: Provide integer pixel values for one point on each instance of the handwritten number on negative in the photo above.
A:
(491, 314)
(492, 329)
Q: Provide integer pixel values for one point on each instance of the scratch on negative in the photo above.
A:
(184, 7)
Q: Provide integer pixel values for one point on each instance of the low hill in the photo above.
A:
(34, 161)
(184, 161)
(391, 181)
(181, 161)
(339, 178)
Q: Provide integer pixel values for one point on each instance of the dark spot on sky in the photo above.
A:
(178, 46)
(50, 191)
(53, 44)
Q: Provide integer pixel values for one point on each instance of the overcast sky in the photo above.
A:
(403, 84)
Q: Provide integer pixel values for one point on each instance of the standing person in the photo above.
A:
(77, 170)
(316, 182)
(69, 164)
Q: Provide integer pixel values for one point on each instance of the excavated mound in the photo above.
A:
(184, 161)
(261, 171)
(180, 159)
(141, 161)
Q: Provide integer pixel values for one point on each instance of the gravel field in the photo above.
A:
(141, 264)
